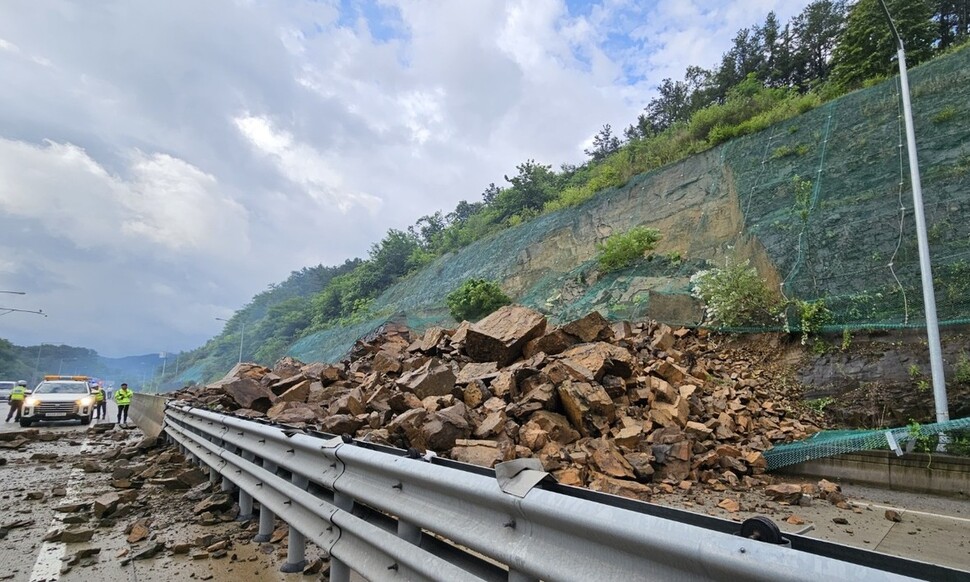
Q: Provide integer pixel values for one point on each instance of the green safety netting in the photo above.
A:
(845, 236)
(834, 442)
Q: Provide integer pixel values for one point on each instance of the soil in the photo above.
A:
(866, 379)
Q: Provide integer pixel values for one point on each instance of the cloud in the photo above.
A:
(303, 165)
(166, 202)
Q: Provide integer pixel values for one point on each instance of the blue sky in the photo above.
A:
(162, 162)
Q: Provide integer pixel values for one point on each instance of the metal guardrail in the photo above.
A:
(391, 517)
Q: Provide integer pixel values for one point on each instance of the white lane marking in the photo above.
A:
(903, 510)
(48, 564)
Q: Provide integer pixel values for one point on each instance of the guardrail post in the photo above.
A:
(245, 499)
(339, 571)
(296, 544)
(266, 518)
(227, 484)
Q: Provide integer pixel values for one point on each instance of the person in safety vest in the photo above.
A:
(16, 399)
(100, 403)
(123, 400)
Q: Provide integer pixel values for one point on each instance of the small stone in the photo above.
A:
(893, 515)
(729, 505)
(840, 520)
(795, 520)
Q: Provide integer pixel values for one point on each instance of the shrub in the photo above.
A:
(476, 298)
(623, 249)
(945, 114)
(736, 296)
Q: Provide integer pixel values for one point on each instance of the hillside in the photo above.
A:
(849, 243)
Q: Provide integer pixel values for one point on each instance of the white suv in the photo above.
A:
(58, 398)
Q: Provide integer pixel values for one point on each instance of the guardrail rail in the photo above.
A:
(388, 515)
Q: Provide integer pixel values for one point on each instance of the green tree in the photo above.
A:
(816, 31)
(867, 48)
(530, 189)
(604, 144)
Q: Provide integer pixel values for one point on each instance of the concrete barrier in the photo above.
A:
(918, 472)
(148, 413)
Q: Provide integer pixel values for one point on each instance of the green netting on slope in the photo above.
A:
(849, 241)
(852, 241)
(835, 442)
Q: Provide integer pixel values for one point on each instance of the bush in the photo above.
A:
(736, 296)
(622, 250)
(475, 299)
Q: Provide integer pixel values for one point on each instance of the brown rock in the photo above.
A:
(552, 343)
(475, 394)
(432, 337)
(556, 426)
(493, 423)
(298, 393)
(473, 371)
(386, 362)
(589, 328)
(784, 492)
(729, 505)
(478, 452)
(340, 424)
(893, 515)
(139, 531)
(605, 458)
(105, 504)
(602, 358)
(500, 336)
(621, 487)
(588, 407)
(432, 379)
(292, 412)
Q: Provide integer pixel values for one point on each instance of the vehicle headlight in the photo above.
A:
(31, 402)
(86, 401)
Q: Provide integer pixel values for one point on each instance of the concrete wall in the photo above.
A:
(148, 413)
(917, 472)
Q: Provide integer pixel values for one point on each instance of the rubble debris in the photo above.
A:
(634, 408)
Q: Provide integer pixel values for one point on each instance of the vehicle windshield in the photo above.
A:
(61, 388)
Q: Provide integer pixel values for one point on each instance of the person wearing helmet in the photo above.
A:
(16, 399)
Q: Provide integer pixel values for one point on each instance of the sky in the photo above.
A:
(163, 162)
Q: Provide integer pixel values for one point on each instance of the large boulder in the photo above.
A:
(292, 412)
(432, 379)
(589, 328)
(601, 358)
(501, 336)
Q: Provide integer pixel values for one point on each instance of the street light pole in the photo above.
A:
(242, 335)
(926, 272)
(15, 292)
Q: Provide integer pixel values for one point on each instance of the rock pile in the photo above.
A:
(631, 409)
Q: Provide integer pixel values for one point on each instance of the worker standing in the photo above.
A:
(16, 399)
(123, 400)
(100, 404)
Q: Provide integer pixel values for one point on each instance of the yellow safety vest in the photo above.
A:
(99, 395)
(123, 397)
(18, 393)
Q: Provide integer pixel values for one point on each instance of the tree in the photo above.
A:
(867, 47)
(672, 104)
(744, 57)
(816, 30)
(531, 188)
(491, 193)
(427, 230)
(952, 19)
(604, 144)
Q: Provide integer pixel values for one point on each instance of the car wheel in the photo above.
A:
(24, 422)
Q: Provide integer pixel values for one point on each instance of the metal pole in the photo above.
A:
(35, 378)
(242, 334)
(926, 272)
(266, 517)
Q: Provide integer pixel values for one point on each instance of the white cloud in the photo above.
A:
(166, 202)
(303, 165)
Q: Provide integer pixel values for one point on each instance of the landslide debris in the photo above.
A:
(633, 409)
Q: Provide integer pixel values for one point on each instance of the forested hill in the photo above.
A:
(781, 160)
